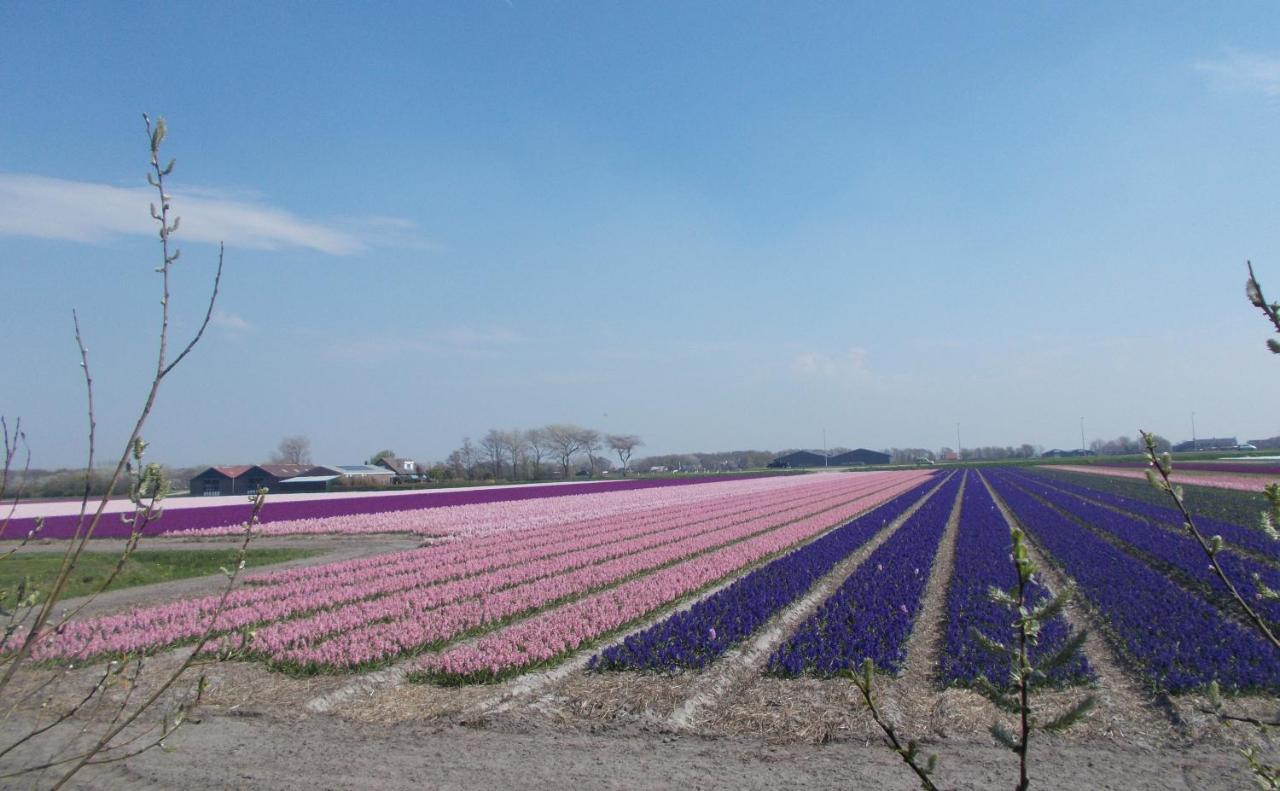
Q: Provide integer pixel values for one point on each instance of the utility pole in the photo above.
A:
(1083, 446)
(959, 455)
(826, 457)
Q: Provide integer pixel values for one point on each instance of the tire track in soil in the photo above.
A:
(1125, 708)
(741, 665)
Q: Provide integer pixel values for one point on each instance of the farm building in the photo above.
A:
(1210, 443)
(217, 481)
(800, 458)
(325, 477)
(859, 456)
(404, 469)
(243, 478)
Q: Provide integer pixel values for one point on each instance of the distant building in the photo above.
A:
(800, 458)
(341, 475)
(859, 456)
(1210, 443)
(243, 479)
(217, 481)
(399, 466)
(404, 469)
(1056, 453)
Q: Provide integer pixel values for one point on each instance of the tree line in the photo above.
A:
(555, 450)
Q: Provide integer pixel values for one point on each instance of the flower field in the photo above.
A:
(502, 587)
(1222, 480)
(545, 557)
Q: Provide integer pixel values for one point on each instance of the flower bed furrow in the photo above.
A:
(553, 633)
(695, 637)
(982, 546)
(417, 627)
(872, 613)
(1172, 637)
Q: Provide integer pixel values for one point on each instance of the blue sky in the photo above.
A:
(714, 225)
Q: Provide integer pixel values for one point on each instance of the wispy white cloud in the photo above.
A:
(230, 322)
(395, 232)
(467, 342)
(51, 208)
(848, 364)
(1245, 71)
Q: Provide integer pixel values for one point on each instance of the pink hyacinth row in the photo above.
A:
(570, 532)
(555, 632)
(289, 594)
(420, 594)
(371, 632)
(393, 583)
(504, 516)
(1220, 480)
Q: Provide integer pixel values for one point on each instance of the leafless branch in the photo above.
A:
(1159, 474)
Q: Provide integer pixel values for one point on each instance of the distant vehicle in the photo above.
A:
(1246, 446)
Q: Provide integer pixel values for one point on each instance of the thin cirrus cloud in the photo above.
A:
(458, 342)
(51, 208)
(1250, 72)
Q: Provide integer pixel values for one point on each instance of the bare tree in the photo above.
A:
(564, 441)
(514, 444)
(385, 453)
(293, 450)
(469, 455)
(590, 439)
(623, 445)
(494, 445)
(537, 447)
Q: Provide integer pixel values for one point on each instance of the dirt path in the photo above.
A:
(325, 752)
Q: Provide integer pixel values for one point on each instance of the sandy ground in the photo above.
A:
(255, 752)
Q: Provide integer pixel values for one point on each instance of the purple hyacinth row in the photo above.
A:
(872, 613)
(695, 637)
(982, 562)
(184, 519)
(1246, 537)
(1177, 550)
(1172, 637)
